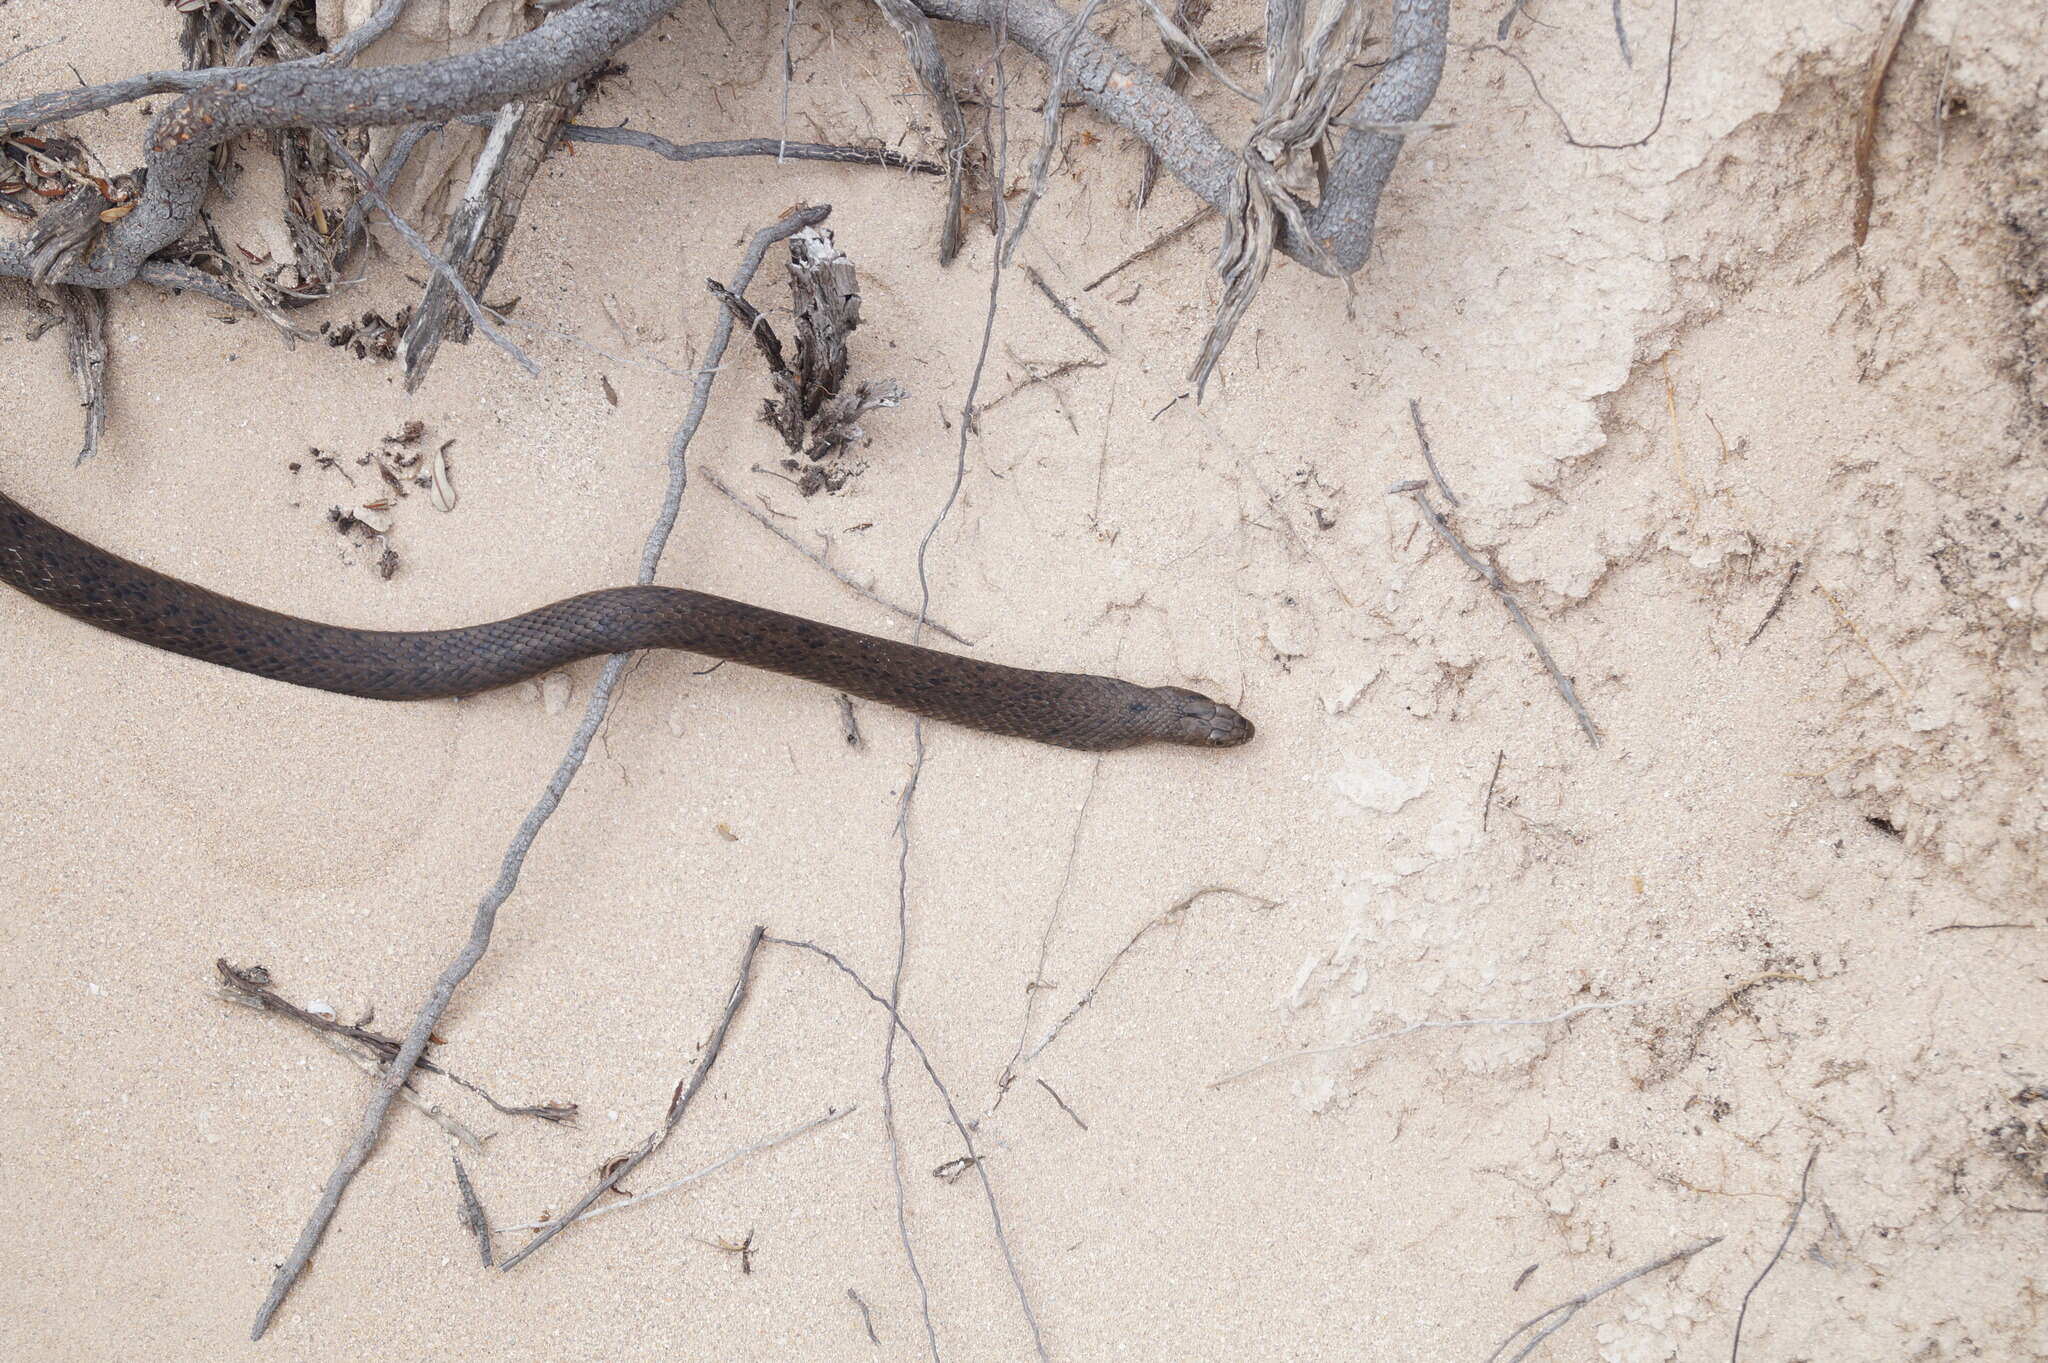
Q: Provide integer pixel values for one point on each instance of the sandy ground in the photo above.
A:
(1774, 502)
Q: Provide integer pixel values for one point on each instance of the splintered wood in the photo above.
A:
(813, 410)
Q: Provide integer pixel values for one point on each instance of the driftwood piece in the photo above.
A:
(813, 410)
(482, 226)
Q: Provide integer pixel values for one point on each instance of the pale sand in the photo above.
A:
(1871, 417)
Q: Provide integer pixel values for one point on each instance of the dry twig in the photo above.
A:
(695, 1176)
(1428, 454)
(1565, 1310)
(1792, 1224)
(481, 229)
(678, 1104)
(1571, 138)
(743, 146)
(1974, 927)
(1492, 579)
(1165, 920)
(252, 987)
(718, 484)
(1166, 238)
(960, 1127)
(1054, 1094)
(1049, 139)
(999, 34)
(443, 271)
(1188, 14)
(867, 1317)
(1065, 308)
(85, 340)
(921, 46)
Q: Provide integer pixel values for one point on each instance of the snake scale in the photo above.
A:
(1067, 709)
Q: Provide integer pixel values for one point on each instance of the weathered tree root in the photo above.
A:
(1129, 96)
(181, 138)
(232, 102)
(168, 275)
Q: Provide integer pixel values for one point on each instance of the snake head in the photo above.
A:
(1194, 719)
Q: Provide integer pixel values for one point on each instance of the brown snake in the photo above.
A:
(1069, 709)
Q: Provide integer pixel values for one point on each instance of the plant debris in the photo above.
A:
(373, 336)
(817, 416)
(401, 462)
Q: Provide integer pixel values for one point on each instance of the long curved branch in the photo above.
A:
(231, 102)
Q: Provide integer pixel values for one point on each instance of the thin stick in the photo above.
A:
(1189, 15)
(85, 333)
(597, 135)
(1446, 1024)
(481, 227)
(365, 33)
(921, 46)
(1166, 238)
(1185, 45)
(678, 1104)
(1049, 140)
(32, 47)
(1064, 308)
(473, 1219)
(1576, 1304)
(1045, 935)
(1970, 927)
(259, 33)
(1783, 593)
(1037, 377)
(1486, 809)
(1054, 1094)
(1842, 614)
(814, 556)
(1735, 1345)
(744, 146)
(251, 988)
(1428, 454)
(697, 1176)
(369, 1063)
(594, 712)
(1663, 102)
(1557, 676)
(1866, 127)
(388, 169)
(867, 1317)
(1165, 920)
(788, 75)
(960, 1127)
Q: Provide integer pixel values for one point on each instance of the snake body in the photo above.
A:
(1067, 709)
